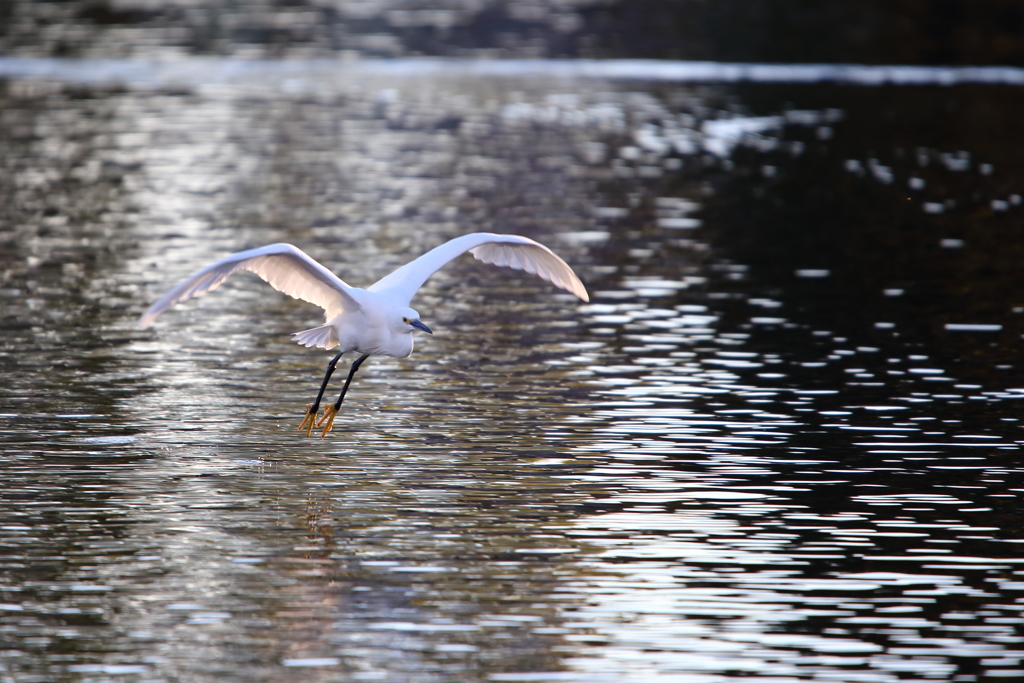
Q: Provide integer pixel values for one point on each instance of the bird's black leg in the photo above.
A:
(351, 373)
(311, 410)
(331, 411)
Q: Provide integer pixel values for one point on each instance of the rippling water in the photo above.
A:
(782, 441)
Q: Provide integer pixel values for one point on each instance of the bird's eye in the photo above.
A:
(405, 320)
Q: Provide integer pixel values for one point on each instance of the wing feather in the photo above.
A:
(513, 251)
(286, 268)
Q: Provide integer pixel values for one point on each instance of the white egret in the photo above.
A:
(371, 321)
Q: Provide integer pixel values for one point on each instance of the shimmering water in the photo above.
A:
(781, 443)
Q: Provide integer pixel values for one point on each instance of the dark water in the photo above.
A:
(781, 443)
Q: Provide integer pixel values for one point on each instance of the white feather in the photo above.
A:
(513, 251)
(286, 268)
(322, 337)
(357, 318)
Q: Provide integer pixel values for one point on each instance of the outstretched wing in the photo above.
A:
(513, 251)
(286, 268)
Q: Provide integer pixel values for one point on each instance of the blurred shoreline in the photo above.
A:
(924, 32)
(206, 69)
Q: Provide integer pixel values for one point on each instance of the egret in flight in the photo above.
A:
(371, 321)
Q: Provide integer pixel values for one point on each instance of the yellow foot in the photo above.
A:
(329, 414)
(308, 420)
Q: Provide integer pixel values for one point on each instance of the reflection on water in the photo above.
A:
(781, 442)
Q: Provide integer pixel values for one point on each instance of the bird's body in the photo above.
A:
(368, 329)
(372, 321)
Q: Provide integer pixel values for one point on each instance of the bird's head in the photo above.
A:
(410, 320)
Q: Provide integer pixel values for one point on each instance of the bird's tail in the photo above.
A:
(322, 337)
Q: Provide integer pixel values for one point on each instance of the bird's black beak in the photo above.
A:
(420, 326)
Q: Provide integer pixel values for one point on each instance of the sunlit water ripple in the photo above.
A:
(786, 470)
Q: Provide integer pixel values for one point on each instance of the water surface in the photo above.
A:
(781, 443)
